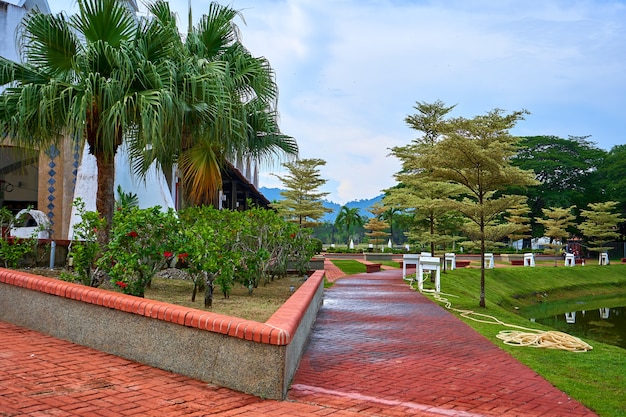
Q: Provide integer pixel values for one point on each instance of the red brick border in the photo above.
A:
(278, 330)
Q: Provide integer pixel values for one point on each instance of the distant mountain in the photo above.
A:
(273, 194)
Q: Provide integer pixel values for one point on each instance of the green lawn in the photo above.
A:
(596, 378)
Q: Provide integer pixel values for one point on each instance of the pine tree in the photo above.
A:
(476, 154)
(302, 200)
(557, 221)
(376, 225)
(600, 225)
(419, 193)
(518, 218)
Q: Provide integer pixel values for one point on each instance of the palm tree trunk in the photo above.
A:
(105, 195)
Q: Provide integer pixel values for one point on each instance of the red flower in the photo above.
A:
(168, 254)
(182, 256)
(121, 284)
(132, 234)
(293, 235)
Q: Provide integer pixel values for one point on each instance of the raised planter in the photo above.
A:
(372, 267)
(252, 357)
(377, 257)
(316, 263)
(462, 264)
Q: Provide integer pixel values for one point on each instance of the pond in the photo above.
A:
(601, 320)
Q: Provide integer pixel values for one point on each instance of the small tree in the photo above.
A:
(600, 225)
(376, 225)
(556, 222)
(419, 192)
(85, 247)
(302, 203)
(137, 247)
(520, 222)
(476, 154)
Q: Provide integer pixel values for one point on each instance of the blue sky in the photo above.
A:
(350, 71)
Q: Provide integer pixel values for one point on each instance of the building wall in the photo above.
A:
(58, 167)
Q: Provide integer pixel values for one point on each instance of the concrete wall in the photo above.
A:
(252, 357)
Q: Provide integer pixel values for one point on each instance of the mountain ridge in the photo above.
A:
(273, 194)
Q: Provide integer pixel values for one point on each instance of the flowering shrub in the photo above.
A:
(135, 252)
(85, 248)
(217, 247)
(13, 250)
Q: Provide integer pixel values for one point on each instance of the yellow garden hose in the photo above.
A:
(523, 336)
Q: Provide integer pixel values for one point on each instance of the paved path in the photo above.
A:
(377, 349)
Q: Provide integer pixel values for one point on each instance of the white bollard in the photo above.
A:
(488, 261)
(529, 259)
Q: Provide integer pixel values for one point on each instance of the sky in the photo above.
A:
(350, 71)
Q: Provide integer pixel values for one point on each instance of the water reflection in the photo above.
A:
(607, 325)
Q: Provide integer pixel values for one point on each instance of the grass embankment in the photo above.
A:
(596, 378)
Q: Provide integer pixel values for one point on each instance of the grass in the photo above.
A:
(596, 378)
(350, 267)
(258, 306)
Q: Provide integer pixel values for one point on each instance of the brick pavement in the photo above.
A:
(377, 349)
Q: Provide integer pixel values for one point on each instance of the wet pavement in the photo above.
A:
(377, 349)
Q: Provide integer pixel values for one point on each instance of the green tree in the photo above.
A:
(136, 251)
(476, 154)
(99, 76)
(420, 193)
(302, 203)
(228, 98)
(556, 222)
(600, 225)
(566, 170)
(518, 218)
(347, 218)
(612, 176)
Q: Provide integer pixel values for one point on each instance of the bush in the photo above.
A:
(318, 246)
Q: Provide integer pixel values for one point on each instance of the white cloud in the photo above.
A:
(350, 71)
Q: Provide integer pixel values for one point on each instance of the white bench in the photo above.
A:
(425, 264)
(529, 259)
(450, 258)
(603, 259)
(410, 259)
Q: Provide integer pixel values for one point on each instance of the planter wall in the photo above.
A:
(377, 257)
(252, 357)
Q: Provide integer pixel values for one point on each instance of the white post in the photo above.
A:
(604, 259)
(488, 260)
(451, 258)
(529, 259)
(410, 259)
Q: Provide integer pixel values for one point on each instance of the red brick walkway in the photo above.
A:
(377, 349)
(333, 273)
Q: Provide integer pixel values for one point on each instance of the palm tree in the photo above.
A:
(347, 218)
(229, 98)
(98, 76)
